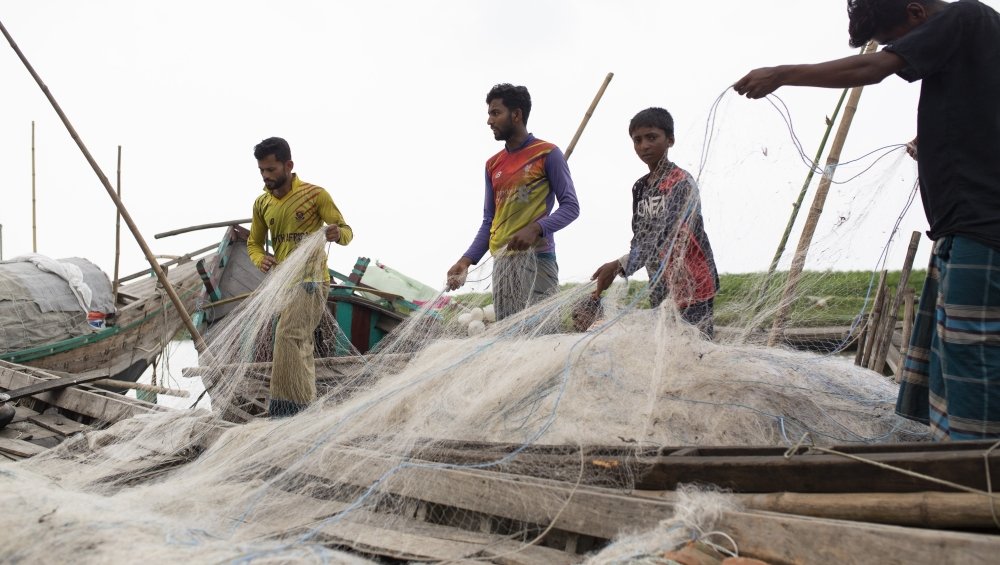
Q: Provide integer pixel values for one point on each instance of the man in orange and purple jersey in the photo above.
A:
(523, 183)
(292, 210)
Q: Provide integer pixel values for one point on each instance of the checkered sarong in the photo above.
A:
(951, 376)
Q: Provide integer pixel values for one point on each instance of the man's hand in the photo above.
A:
(457, 273)
(911, 149)
(267, 263)
(605, 275)
(758, 83)
(525, 237)
(333, 233)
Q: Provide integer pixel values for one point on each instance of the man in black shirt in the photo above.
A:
(951, 377)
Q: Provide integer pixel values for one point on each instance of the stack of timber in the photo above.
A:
(54, 407)
(552, 504)
(807, 508)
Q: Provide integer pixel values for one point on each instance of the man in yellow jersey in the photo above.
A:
(292, 210)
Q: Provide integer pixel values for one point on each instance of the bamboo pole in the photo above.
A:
(118, 226)
(586, 117)
(893, 313)
(201, 227)
(797, 205)
(873, 319)
(765, 285)
(881, 327)
(199, 342)
(815, 211)
(917, 509)
(862, 339)
(114, 383)
(34, 231)
(908, 317)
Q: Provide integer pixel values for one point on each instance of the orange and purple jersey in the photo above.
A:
(522, 186)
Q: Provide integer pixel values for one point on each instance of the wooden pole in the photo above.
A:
(797, 205)
(586, 117)
(118, 226)
(765, 285)
(893, 314)
(34, 232)
(199, 342)
(202, 227)
(873, 318)
(114, 383)
(908, 317)
(815, 211)
(917, 509)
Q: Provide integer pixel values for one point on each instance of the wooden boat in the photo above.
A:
(53, 413)
(145, 321)
(229, 276)
(542, 504)
(356, 324)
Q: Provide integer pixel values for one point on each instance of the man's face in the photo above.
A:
(274, 172)
(651, 144)
(501, 120)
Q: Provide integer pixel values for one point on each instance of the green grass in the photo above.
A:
(830, 298)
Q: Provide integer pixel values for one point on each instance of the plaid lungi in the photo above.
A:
(951, 375)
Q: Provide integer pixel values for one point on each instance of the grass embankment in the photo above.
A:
(832, 298)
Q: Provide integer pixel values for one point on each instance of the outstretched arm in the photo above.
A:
(856, 70)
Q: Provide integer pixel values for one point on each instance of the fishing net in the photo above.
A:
(464, 438)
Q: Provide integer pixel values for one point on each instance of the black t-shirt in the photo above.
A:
(956, 53)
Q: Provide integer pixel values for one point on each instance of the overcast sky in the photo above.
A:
(384, 105)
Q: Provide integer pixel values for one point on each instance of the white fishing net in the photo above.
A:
(443, 445)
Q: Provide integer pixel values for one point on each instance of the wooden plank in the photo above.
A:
(819, 473)
(28, 430)
(59, 424)
(389, 535)
(738, 469)
(110, 408)
(19, 447)
(22, 413)
(45, 386)
(779, 538)
(604, 514)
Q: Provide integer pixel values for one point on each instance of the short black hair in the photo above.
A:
(273, 146)
(653, 118)
(869, 17)
(513, 97)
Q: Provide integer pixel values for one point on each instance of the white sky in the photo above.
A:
(383, 104)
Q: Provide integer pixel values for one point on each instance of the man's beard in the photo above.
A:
(276, 183)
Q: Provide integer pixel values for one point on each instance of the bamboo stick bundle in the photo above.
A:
(884, 328)
(862, 338)
(893, 312)
(873, 317)
(909, 315)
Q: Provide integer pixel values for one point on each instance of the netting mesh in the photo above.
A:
(394, 442)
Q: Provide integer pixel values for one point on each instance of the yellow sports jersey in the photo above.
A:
(304, 210)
